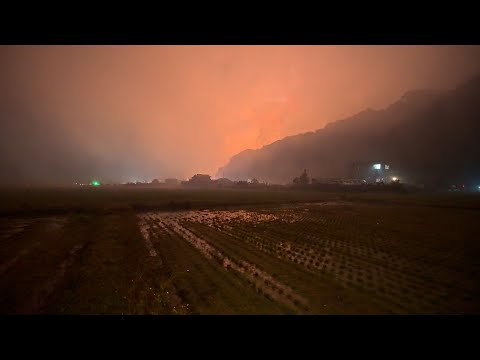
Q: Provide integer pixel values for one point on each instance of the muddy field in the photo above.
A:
(320, 257)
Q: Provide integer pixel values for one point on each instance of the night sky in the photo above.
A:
(126, 113)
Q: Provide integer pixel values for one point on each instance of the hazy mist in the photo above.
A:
(123, 113)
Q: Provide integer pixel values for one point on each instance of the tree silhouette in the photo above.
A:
(303, 179)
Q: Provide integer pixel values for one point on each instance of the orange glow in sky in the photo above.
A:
(179, 110)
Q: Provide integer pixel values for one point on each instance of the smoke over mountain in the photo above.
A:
(427, 135)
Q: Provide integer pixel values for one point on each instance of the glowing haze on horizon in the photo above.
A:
(137, 112)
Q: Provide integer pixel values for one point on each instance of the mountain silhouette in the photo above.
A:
(429, 136)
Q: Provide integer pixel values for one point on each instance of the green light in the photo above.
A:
(95, 183)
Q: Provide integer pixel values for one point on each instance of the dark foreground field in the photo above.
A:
(100, 251)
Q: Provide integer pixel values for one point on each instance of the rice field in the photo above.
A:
(336, 256)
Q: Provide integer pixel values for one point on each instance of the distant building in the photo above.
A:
(254, 183)
(352, 182)
(242, 183)
(224, 182)
(373, 172)
(172, 181)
